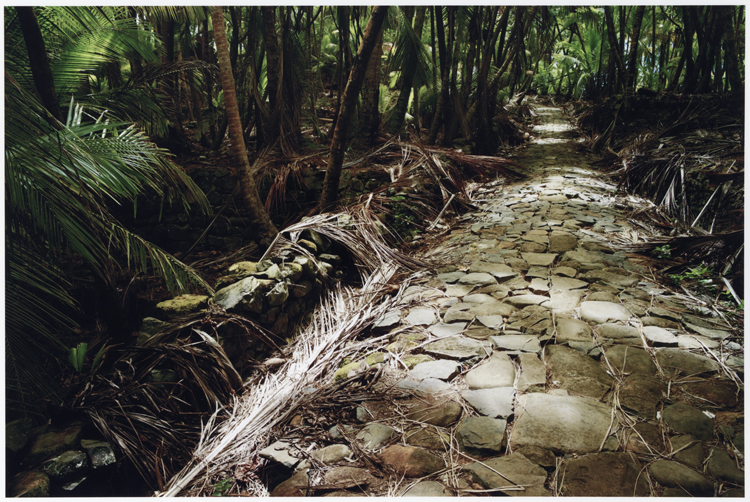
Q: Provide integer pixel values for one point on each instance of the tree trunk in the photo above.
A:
(399, 110)
(731, 56)
(342, 65)
(632, 69)
(348, 104)
(444, 77)
(273, 68)
(371, 94)
(614, 47)
(40, 68)
(258, 214)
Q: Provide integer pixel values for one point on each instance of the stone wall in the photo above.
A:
(276, 294)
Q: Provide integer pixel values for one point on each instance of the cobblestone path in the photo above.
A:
(544, 362)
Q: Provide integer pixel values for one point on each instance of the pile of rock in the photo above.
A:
(54, 460)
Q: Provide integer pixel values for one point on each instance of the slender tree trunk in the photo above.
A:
(713, 39)
(348, 103)
(40, 68)
(273, 72)
(258, 215)
(731, 55)
(689, 31)
(614, 47)
(632, 70)
(371, 94)
(399, 110)
(444, 77)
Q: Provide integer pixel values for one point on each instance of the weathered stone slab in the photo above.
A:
(603, 312)
(722, 466)
(630, 360)
(642, 394)
(455, 347)
(540, 272)
(572, 330)
(602, 296)
(389, 320)
(526, 343)
(410, 461)
(451, 277)
(659, 336)
(283, 452)
(441, 369)
(618, 280)
(374, 435)
(696, 342)
(560, 241)
(524, 300)
(496, 402)
(491, 321)
(686, 419)
(498, 371)
(439, 413)
(421, 317)
(562, 302)
(563, 424)
(717, 334)
(478, 279)
(562, 283)
(516, 471)
(533, 372)
(498, 270)
(584, 257)
(616, 331)
(492, 308)
(428, 489)
(443, 329)
(478, 298)
(577, 373)
(458, 290)
(672, 359)
(481, 435)
(674, 474)
(540, 259)
(603, 475)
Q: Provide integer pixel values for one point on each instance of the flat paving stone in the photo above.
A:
(577, 373)
(389, 320)
(478, 279)
(478, 298)
(510, 472)
(458, 290)
(687, 419)
(493, 308)
(481, 435)
(525, 343)
(496, 402)
(659, 337)
(451, 277)
(618, 280)
(428, 489)
(498, 270)
(533, 372)
(717, 334)
(603, 312)
(524, 300)
(603, 475)
(572, 330)
(541, 272)
(441, 369)
(563, 424)
(443, 329)
(456, 347)
(562, 302)
(642, 394)
(696, 342)
(565, 271)
(498, 371)
(630, 360)
(562, 283)
(615, 331)
(687, 363)
(491, 321)
(676, 475)
(421, 317)
(540, 259)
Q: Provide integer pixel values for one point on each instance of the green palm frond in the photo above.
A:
(59, 181)
(409, 51)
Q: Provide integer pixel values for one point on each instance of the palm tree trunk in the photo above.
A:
(348, 104)
(632, 69)
(731, 56)
(253, 204)
(399, 110)
(371, 94)
(40, 68)
(444, 77)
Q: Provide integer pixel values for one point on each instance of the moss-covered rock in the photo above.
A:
(181, 305)
(412, 361)
(30, 484)
(17, 434)
(291, 271)
(54, 443)
(68, 465)
(245, 295)
(278, 294)
(343, 372)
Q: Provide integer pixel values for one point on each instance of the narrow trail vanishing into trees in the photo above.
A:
(545, 360)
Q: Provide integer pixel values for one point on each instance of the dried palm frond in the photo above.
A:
(236, 441)
(151, 419)
(713, 247)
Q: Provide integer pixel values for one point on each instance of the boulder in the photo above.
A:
(686, 419)
(676, 475)
(630, 360)
(374, 435)
(510, 472)
(577, 373)
(181, 305)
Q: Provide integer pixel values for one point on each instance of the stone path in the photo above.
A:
(545, 362)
